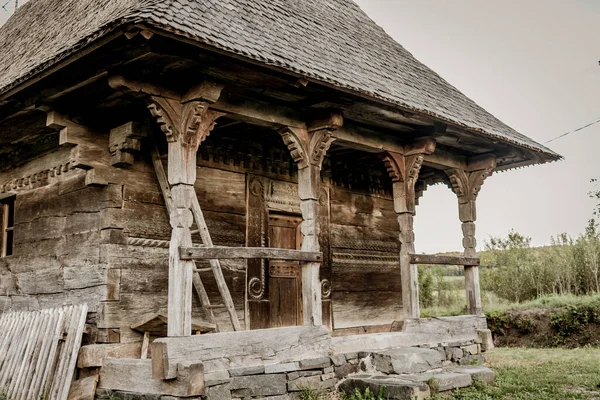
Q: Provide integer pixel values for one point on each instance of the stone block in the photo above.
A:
(346, 369)
(285, 367)
(338, 359)
(216, 378)
(406, 360)
(315, 363)
(447, 380)
(471, 349)
(395, 388)
(311, 382)
(300, 374)
(487, 341)
(454, 354)
(477, 372)
(243, 371)
(259, 385)
(220, 392)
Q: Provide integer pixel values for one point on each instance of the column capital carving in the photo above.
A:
(189, 123)
(404, 170)
(466, 185)
(308, 146)
(185, 118)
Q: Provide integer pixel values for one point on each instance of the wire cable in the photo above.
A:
(573, 131)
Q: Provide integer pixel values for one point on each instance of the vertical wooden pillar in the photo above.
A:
(404, 170)
(186, 121)
(308, 147)
(466, 185)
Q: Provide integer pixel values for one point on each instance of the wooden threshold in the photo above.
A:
(222, 253)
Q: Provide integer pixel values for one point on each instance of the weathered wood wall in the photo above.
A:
(72, 231)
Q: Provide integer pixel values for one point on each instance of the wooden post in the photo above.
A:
(466, 184)
(186, 121)
(404, 170)
(308, 147)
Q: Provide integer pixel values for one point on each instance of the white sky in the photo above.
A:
(533, 64)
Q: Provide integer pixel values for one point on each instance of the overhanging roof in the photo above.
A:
(329, 41)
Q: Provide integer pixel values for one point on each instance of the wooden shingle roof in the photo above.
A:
(329, 41)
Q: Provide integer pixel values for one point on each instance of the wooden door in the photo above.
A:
(285, 278)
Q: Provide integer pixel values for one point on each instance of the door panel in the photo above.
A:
(285, 283)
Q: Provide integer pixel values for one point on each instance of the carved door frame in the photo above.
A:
(264, 195)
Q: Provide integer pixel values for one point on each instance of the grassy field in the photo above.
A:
(545, 374)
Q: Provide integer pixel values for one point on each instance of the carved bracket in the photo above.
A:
(309, 146)
(466, 186)
(404, 170)
(124, 142)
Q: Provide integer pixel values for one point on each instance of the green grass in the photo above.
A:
(493, 304)
(545, 374)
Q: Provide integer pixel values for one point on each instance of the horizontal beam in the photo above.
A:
(223, 253)
(443, 260)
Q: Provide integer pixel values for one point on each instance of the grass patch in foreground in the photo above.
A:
(548, 374)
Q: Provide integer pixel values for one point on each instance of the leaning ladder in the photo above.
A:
(215, 265)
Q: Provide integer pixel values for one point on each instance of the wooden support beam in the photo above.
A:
(466, 185)
(186, 121)
(404, 170)
(443, 260)
(229, 253)
(308, 147)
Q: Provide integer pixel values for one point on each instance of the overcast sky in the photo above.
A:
(534, 65)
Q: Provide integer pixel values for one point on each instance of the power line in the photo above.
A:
(573, 131)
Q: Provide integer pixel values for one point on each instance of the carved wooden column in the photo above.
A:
(404, 170)
(466, 186)
(308, 147)
(186, 122)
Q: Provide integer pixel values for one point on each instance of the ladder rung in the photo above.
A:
(216, 306)
(202, 269)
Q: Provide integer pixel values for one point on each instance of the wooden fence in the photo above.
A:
(38, 352)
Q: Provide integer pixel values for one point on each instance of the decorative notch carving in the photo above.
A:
(124, 142)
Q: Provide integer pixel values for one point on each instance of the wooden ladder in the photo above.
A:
(215, 265)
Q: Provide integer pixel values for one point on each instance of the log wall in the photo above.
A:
(72, 231)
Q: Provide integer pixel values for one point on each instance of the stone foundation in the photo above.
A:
(255, 370)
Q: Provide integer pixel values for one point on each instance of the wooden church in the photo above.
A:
(228, 165)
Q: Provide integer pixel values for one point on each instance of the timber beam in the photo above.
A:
(443, 260)
(230, 253)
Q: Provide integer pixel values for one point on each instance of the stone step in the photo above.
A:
(406, 360)
(395, 388)
(419, 385)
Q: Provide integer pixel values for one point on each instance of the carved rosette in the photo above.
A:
(325, 288)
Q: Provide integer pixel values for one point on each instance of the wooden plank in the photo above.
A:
(443, 260)
(93, 355)
(135, 375)
(84, 389)
(221, 252)
(156, 325)
(239, 349)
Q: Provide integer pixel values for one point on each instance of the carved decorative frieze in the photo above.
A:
(32, 180)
